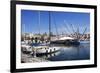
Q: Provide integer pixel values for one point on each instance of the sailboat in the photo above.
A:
(43, 48)
(66, 40)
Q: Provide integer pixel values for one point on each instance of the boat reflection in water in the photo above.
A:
(80, 52)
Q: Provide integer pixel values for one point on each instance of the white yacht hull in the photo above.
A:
(47, 50)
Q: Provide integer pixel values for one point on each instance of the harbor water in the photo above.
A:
(66, 53)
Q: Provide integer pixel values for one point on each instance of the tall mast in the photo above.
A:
(39, 21)
(24, 31)
(77, 33)
(49, 26)
(56, 26)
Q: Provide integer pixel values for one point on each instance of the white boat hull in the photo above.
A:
(47, 50)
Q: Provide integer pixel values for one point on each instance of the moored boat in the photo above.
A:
(66, 41)
(25, 47)
(45, 49)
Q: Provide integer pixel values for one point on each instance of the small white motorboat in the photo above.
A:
(46, 49)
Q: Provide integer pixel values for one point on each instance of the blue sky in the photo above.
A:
(30, 21)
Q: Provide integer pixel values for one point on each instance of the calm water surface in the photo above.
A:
(81, 52)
